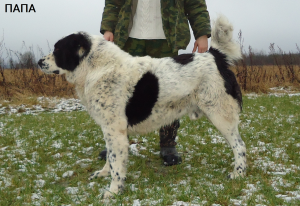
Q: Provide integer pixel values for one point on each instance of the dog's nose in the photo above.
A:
(40, 62)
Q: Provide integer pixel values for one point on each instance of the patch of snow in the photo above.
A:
(57, 144)
(91, 184)
(181, 203)
(68, 174)
(132, 187)
(35, 196)
(136, 203)
(40, 183)
(84, 163)
(134, 150)
(72, 190)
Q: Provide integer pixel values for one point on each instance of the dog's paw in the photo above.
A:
(195, 115)
(99, 173)
(108, 195)
(234, 175)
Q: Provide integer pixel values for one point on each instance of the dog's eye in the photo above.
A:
(56, 49)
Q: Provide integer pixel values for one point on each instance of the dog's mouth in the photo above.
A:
(41, 63)
(56, 72)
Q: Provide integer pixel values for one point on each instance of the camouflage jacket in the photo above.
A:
(117, 18)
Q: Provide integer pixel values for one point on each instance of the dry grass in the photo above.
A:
(260, 79)
(18, 84)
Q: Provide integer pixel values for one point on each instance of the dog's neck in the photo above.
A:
(104, 58)
(77, 77)
(107, 53)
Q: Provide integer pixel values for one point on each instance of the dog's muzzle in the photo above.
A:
(44, 67)
(41, 63)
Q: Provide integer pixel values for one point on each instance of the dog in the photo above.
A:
(136, 95)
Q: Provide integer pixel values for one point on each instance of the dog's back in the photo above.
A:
(189, 72)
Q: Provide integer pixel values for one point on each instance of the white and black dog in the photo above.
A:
(130, 95)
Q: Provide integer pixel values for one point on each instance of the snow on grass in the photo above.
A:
(48, 151)
(45, 104)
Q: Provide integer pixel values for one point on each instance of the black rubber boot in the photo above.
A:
(170, 156)
(168, 151)
(102, 154)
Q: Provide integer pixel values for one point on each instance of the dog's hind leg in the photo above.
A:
(226, 121)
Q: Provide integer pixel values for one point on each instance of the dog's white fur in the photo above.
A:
(105, 80)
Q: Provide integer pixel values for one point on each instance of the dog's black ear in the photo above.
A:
(83, 42)
(69, 51)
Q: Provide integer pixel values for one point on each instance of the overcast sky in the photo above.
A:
(262, 22)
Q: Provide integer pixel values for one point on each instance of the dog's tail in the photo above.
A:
(221, 39)
(226, 51)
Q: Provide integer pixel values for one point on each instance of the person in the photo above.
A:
(158, 28)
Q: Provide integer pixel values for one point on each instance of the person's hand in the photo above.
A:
(109, 36)
(202, 44)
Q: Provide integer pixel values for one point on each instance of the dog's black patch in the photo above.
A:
(231, 85)
(184, 59)
(145, 95)
(66, 50)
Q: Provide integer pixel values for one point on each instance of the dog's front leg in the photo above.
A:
(117, 147)
(105, 170)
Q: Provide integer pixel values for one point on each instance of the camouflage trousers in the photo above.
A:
(157, 48)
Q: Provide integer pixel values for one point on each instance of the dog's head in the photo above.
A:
(67, 55)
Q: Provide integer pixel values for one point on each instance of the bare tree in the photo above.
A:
(27, 60)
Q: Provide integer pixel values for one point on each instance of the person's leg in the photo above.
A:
(168, 150)
(135, 47)
(158, 49)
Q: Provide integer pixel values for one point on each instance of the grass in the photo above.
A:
(37, 150)
(17, 84)
(260, 78)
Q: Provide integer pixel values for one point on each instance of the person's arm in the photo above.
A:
(109, 36)
(201, 44)
(198, 16)
(110, 18)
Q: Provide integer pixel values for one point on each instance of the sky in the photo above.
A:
(261, 21)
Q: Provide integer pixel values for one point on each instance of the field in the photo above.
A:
(49, 145)
(49, 148)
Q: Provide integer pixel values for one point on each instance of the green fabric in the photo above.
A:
(117, 17)
(157, 48)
